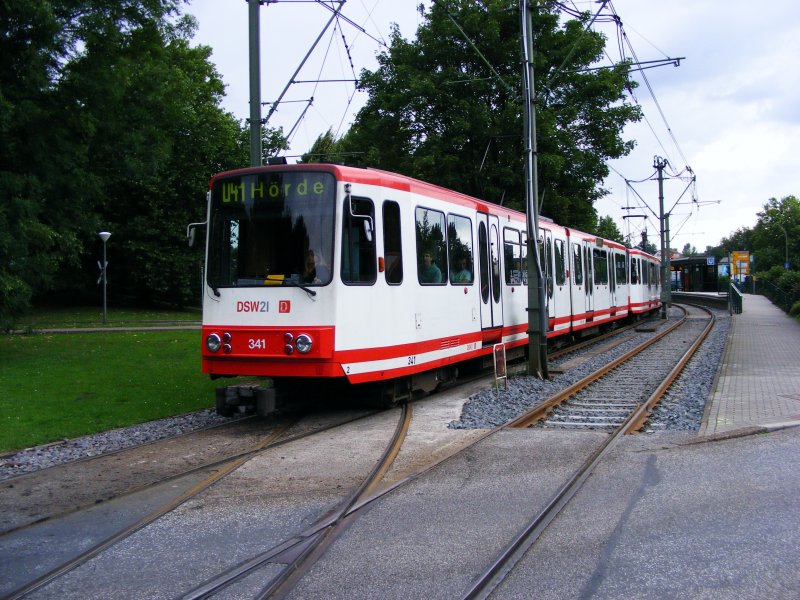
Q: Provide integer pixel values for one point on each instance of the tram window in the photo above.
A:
(523, 260)
(560, 262)
(622, 272)
(431, 247)
(483, 261)
(459, 245)
(634, 271)
(392, 247)
(577, 264)
(600, 267)
(645, 273)
(548, 261)
(359, 263)
(512, 251)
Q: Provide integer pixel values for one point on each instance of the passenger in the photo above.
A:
(461, 274)
(429, 272)
(315, 271)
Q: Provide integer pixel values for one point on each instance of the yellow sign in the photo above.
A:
(741, 262)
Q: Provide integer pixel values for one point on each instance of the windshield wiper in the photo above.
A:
(294, 283)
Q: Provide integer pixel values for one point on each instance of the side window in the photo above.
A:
(560, 262)
(391, 243)
(577, 264)
(634, 271)
(512, 252)
(645, 273)
(359, 263)
(431, 248)
(622, 272)
(459, 245)
(600, 267)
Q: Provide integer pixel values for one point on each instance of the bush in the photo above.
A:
(795, 310)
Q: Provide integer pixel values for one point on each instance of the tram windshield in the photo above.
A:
(271, 228)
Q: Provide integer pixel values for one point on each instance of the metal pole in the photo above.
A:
(537, 307)
(104, 235)
(255, 85)
(786, 262)
(105, 281)
(666, 281)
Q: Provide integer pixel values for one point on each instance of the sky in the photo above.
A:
(730, 111)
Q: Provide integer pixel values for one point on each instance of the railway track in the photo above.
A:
(578, 407)
(310, 545)
(297, 553)
(217, 470)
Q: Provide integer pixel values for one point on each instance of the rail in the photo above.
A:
(734, 299)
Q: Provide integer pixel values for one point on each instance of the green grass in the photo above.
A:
(93, 317)
(68, 385)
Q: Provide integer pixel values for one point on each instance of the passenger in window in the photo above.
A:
(461, 274)
(429, 272)
(314, 272)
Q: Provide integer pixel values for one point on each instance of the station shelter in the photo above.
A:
(694, 274)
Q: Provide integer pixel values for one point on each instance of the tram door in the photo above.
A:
(589, 278)
(489, 271)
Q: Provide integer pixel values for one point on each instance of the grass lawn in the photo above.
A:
(72, 317)
(68, 385)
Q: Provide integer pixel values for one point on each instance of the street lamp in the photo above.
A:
(785, 264)
(104, 235)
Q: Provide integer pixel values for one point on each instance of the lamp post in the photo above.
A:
(785, 264)
(104, 235)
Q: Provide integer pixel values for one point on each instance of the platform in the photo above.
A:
(758, 382)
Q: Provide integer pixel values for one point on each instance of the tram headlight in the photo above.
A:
(213, 342)
(303, 343)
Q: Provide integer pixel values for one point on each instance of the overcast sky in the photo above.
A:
(732, 106)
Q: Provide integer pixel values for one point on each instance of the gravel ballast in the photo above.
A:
(682, 409)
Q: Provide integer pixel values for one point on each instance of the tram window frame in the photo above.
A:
(560, 261)
(512, 254)
(577, 264)
(621, 268)
(436, 247)
(600, 260)
(353, 272)
(392, 243)
(459, 245)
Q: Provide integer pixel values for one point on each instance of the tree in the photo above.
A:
(777, 233)
(110, 120)
(646, 246)
(607, 228)
(689, 250)
(436, 111)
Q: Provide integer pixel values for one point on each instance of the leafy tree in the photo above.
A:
(689, 250)
(647, 246)
(777, 233)
(110, 120)
(607, 228)
(436, 111)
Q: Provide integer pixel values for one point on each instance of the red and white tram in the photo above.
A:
(359, 275)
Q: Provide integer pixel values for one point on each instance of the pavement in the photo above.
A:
(758, 382)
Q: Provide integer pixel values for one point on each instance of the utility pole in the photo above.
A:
(255, 84)
(666, 280)
(537, 307)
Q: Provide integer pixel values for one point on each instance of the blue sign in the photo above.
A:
(710, 261)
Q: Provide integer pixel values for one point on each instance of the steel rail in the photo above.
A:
(228, 466)
(539, 412)
(507, 559)
(225, 467)
(308, 546)
(643, 414)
